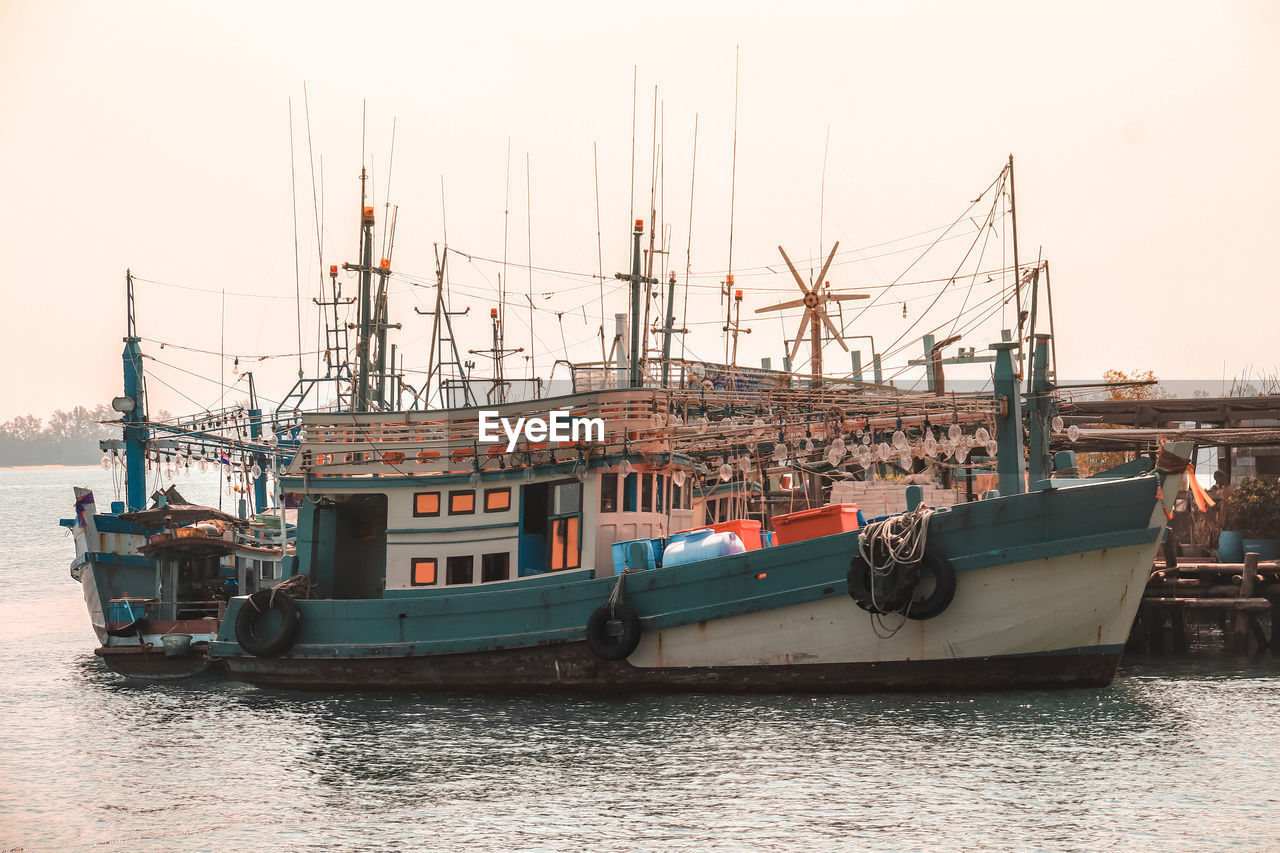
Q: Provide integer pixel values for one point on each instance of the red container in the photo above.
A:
(812, 523)
(747, 530)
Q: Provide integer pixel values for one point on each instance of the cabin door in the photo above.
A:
(533, 529)
(360, 547)
(550, 527)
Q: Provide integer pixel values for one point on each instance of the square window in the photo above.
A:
(608, 492)
(462, 503)
(426, 504)
(568, 498)
(460, 570)
(497, 500)
(423, 571)
(629, 493)
(495, 567)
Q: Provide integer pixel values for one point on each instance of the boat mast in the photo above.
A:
(133, 409)
(1017, 270)
(360, 403)
(636, 279)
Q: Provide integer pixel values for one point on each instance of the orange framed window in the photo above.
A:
(423, 571)
(566, 543)
(497, 500)
(426, 504)
(462, 503)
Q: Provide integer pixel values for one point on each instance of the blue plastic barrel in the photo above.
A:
(1266, 549)
(1231, 546)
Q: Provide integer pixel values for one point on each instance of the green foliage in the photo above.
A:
(1255, 508)
(70, 438)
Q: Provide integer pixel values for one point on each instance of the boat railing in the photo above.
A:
(439, 442)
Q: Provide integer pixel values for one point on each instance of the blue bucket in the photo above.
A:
(1231, 546)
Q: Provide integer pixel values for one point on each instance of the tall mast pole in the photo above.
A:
(134, 411)
(815, 342)
(635, 305)
(667, 330)
(366, 308)
(1017, 270)
(637, 280)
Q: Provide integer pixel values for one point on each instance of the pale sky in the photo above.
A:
(156, 137)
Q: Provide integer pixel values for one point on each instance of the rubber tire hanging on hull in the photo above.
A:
(891, 592)
(898, 592)
(943, 574)
(613, 647)
(255, 609)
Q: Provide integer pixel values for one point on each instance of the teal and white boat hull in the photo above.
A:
(1047, 585)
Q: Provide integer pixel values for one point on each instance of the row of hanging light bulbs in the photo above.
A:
(180, 463)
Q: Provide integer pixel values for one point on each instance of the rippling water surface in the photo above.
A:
(1173, 756)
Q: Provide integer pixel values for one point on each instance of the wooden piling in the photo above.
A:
(1240, 630)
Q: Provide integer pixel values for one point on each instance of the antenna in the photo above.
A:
(688, 252)
(595, 159)
(506, 215)
(733, 189)
(528, 200)
(293, 207)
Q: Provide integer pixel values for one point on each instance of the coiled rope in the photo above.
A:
(889, 544)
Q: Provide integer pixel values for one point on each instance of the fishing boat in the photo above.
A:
(156, 579)
(568, 544)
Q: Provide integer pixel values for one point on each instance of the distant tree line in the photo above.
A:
(69, 438)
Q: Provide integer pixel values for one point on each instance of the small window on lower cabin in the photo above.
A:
(677, 502)
(646, 493)
(497, 500)
(426, 504)
(608, 492)
(660, 492)
(460, 570)
(423, 571)
(495, 567)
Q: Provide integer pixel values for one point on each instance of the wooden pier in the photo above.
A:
(1195, 599)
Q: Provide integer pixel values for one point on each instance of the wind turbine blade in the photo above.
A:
(822, 276)
(792, 267)
(800, 335)
(835, 333)
(845, 297)
(795, 303)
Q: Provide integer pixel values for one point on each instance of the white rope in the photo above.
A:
(897, 540)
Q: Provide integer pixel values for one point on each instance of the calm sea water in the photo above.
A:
(1172, 757)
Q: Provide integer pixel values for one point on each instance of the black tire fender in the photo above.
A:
(250, 630)
(612, 644)
(892, 591)
(934, 589)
